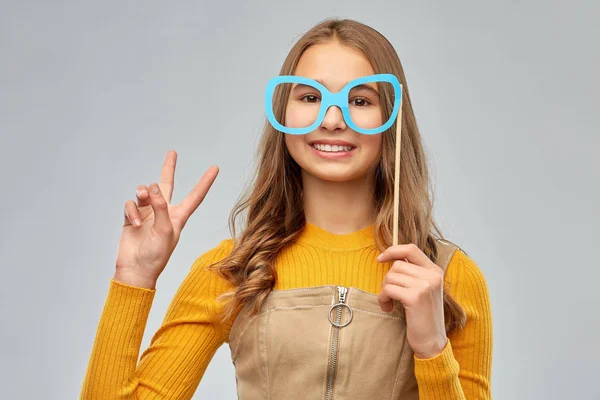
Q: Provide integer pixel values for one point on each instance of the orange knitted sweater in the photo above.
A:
(181, 349)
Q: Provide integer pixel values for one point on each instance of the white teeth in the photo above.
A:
(333, 149)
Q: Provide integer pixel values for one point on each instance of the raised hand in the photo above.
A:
(152, 225)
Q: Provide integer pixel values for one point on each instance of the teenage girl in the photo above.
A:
(312, 297)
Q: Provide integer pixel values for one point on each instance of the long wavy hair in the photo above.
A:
(273, 201)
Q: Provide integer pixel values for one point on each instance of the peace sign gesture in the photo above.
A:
(153, 225)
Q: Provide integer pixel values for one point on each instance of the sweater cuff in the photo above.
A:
(124, 318)
(130, 288)
(128, 303)
(439, 372)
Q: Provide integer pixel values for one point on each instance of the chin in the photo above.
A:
(332, 175)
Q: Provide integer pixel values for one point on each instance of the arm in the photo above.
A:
(180, 350)
(463, 369)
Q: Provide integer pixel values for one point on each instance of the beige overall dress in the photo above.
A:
(325, 342)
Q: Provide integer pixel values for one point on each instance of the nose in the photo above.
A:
(334, 119)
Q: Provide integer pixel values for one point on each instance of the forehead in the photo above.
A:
(334, 64)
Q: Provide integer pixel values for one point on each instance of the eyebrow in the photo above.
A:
(302, 85)
(361, 86)
(366, 87)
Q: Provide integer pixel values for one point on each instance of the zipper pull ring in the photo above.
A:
(342, 291)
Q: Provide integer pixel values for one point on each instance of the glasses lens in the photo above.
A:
(301, 102)
(371, 104)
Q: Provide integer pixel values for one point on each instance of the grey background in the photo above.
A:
(93, 94)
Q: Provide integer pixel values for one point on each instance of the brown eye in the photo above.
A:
(359, 102)
(309, 98)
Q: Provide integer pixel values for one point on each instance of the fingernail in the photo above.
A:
(379, 257)
(154, 189)
(137, 222)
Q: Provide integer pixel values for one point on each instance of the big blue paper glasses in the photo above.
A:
(307, 102)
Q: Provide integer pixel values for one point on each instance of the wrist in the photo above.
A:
(432, 351)
(133, 279)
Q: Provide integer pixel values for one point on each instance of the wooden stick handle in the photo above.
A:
(397, 170)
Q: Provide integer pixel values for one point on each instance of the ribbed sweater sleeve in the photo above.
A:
(180, 350)
(462, 371)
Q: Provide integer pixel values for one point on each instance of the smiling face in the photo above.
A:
(334, 65)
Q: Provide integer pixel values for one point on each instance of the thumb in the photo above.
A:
(162, 222)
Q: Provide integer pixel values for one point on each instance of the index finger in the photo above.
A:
(409, 252)
(196, 196)
(386, 303)
(167, 175)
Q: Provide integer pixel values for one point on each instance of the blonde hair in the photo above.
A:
(273, 202)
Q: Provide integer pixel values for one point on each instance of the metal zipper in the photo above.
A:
(342, 291)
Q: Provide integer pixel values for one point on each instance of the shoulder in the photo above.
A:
(197, 298)
(201, 274)
(215, 254)
(465, 280)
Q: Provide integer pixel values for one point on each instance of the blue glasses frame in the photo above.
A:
(329, 99)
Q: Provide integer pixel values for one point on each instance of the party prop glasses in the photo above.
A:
(307, 102)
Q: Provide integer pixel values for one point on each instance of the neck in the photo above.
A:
(338, 207)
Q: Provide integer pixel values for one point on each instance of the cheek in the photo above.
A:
(294, 144)
(371, 145)
(300, 118)
(291, 119)
(367, 119)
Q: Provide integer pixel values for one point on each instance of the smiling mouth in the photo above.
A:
(326, 148)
